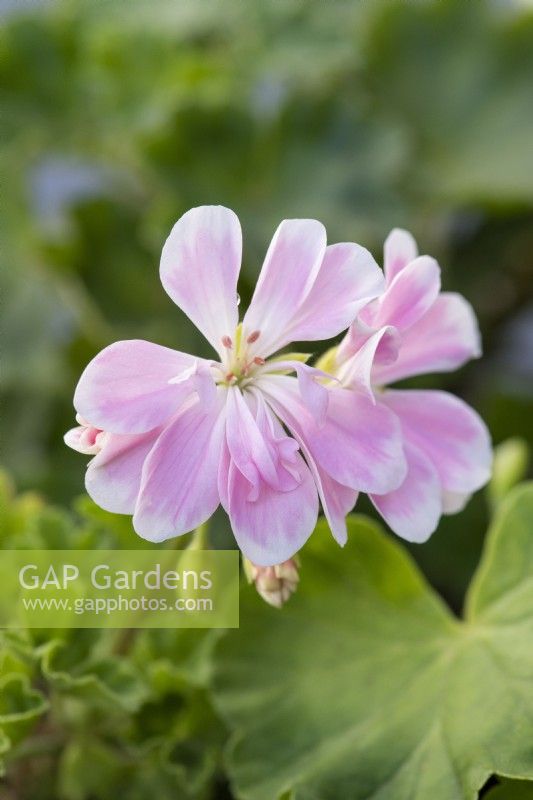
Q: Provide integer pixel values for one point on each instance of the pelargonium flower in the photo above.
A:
(264, 437)
(411, 329)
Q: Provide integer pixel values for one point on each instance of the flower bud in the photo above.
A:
(275, 584)
(510, 466)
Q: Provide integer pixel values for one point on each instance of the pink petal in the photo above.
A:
(442, 340)
(453, 502)
(313, 393)
(254, 447)
(400, 249)
(359, 445)
(113, 478)
(356, 336)
(290, 268)
(413, 510)
(223, 475)
(336, 500)
(276, 525)
(85, 439)
(448, 432)
(270, 525)
(199, 269)
(179, 478)
(380, 348)
(411, 293)
(127, 387)
(348, 278)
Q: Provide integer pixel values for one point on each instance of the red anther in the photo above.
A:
(226, 341)
(230, 376)
(259, 361)
(253, 337)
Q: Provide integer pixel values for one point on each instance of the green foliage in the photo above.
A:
(366, 685)
(91, 713)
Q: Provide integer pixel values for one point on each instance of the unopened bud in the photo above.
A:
(511, 459)
(275, 584)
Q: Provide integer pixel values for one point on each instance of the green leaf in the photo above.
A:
(365, 685)
(102, 681)
(20, 707)
(5, 745)
(89, 769)
(175, 656)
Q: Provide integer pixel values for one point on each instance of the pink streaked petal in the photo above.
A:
(381, 347)
(284, 448)
(85, 439)
(359, 445)
(126, 388)
(223, 475)
(290, 268)
(453, 502)
(275, 525)
(314, 394)
(413, 510)
(407, 298)
(113, 478)
(449, 433)
(356, 336)
(444, 339)
(348, 278)
(198, 378)
(399, 250)
(179, 477)
(73, 439)
(200, 267)
(248, 448)
(337, 500)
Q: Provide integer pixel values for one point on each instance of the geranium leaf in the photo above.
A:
(366, 686)
(107, 680)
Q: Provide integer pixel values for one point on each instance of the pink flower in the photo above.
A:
(413, 328)
(184, 434)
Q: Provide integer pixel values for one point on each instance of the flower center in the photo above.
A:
(239, 365)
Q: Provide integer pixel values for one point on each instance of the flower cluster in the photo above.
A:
(266, 435)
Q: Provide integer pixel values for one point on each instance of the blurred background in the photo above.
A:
(119, 116)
